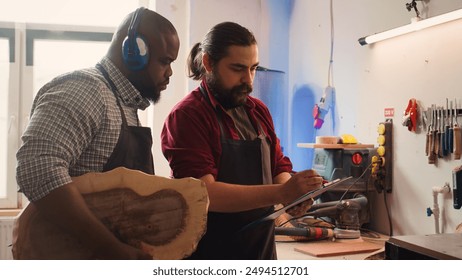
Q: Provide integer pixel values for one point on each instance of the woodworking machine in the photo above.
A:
(346, 206)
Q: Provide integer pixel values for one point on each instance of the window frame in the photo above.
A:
(21, 38)
(10, 31)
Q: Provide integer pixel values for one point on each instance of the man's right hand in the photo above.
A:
(301, 183)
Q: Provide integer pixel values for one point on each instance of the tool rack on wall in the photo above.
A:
(444, 141)
(443, 132)
(457, 113)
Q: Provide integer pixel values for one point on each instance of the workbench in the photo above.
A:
(446, 246)
(289, 250)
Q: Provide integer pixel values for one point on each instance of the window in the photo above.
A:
(4, 78)
(9, 86)
(34, 48)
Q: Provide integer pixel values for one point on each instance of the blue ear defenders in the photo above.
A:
(135, 52)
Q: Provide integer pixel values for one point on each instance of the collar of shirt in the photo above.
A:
(128, 94)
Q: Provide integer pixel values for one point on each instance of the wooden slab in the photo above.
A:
(335, 248)
(164, 217)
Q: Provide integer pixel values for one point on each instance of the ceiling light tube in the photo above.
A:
(413, 26)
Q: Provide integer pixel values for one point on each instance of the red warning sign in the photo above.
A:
(389, 112)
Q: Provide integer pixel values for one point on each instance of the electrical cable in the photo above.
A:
(330, 73)
(357, 179)
(390, 224)
(327, 100)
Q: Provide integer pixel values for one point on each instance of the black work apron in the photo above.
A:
(133, 148)
(240, 163)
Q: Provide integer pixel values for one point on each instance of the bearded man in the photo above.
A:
(223, 136)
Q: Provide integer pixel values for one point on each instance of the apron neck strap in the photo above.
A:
(114, 90)
(218, 113)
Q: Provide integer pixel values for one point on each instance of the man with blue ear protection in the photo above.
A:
(86, 121)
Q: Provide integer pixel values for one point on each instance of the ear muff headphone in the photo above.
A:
(135, 51)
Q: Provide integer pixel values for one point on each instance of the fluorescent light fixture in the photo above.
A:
(413, 26)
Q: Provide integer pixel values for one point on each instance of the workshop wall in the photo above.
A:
(425, 65)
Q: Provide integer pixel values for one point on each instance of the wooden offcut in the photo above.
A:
(327, 248)
(164, 217)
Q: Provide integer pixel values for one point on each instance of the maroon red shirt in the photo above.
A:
(191, 135)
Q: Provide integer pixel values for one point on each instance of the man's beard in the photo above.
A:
(153, 95)
(150, 93)
(228, 98)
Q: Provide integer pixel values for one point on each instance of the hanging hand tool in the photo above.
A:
(440, 134)
(445, 129)
(450, 135)
(432, 136)
(457, 136)
(428, 140)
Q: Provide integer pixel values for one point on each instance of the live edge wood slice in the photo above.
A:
(164, 217)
